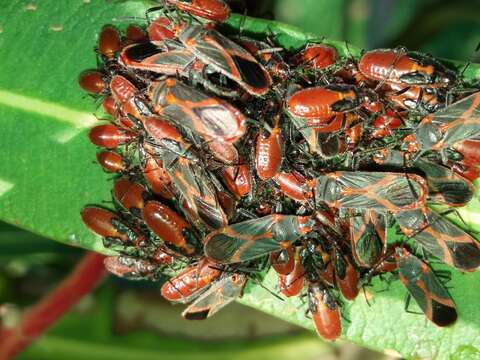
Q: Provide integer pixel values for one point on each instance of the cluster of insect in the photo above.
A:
(232, 155)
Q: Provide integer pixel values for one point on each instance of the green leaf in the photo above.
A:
(47, 172)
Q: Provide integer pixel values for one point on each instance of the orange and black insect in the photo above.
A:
(214, 10)
(269, 153)
(221, 293)
(112, 161)
(404, 67)
(238, 178)
(130, 196)
(444, 186)
(252, 239)
(204, 115)
(425, 288)
(283, 261)
(294, 185)
(94, 81)
(381, 191)
(346, 275)
(128, 97)
(316, 57)
(110, 226)
(171, 228)
(439, 237)
(292, 283)
(189, 283)
(109, 43)
(447, 127)
(325, 311)
(227, 58)
(110, 136)
(368, 233)
(324, 102)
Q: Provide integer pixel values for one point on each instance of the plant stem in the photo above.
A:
(82, 280)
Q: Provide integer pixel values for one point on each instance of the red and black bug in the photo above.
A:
(157, 178)
(368, 232)
(385, 124)
(220, 294)
(190, 282)
(269, 154)
(109, 42)
(441, 238)
(128, 98)
(215, 10)
(110, 226)
(316, 57)
(252, 239)
(130, 196)
(402, 67)
(325, 311)
(292, 283)
(135, 34)
(112, 161)
(170, 227)
(346, 275)
(294, 185)
(283, 261)
(204, 115)
(227, 58)
(425, 288)
(381, 191)
(110, 136)
(238, 178)
(327, 101)
(94, 82)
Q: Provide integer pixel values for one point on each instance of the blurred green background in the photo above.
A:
(124, 320)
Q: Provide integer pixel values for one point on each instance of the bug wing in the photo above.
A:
(457, 122)
(426, 289)
(226, 57)
(381, 191)
(193, 183)
(445, 185)
(441, 238)
(218, 296)
(253, 238)
(368, 233)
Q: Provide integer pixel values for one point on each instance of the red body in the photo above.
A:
(109, 42)
(109, 136)
(100, 221)
(347, 282)
(284, 261)
(385, 123)
(238, 179)
(316, 56)
(325, 313)
(93, 82)
(268, 154)
(293, 185)
(320, 102)
(182, 287)
(167, 225)
(111, 161)
(292, 283)
(131, 196)
(215, 10)
(157, 178)
(110, 106)
(135, 33)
